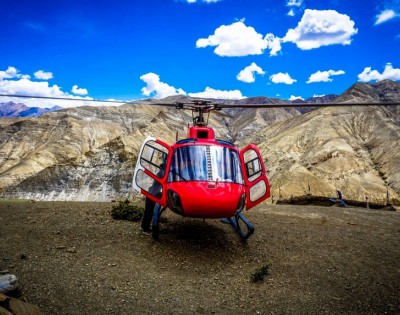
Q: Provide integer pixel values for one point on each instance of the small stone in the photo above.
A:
(71, 249)
(8, 283)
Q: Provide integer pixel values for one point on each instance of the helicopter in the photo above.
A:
(201, 176)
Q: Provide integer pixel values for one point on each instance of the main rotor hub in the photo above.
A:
(198, 108)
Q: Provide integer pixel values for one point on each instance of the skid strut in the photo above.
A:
(235, 223)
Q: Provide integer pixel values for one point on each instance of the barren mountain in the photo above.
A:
(89, 153)
(11, 109)
(351, 149)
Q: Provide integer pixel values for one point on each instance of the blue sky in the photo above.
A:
(127, 50)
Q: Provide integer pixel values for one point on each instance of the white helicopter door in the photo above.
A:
(151, 173)
(256, 181)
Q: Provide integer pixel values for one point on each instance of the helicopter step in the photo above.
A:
(235, 223)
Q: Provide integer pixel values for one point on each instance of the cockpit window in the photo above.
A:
(205, 163)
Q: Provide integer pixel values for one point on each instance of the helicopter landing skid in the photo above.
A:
(155, 229)
(235, 223)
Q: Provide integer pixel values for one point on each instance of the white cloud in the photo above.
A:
(235, 40)
(79, 91)
(14, 83)
(294, 3)
(318, 95)
(248, 74)
(389, 73)
(324, 76)
(385, 16)
(41, 75)
(321, 28)
(282, 78)
(294, 98)
(316, 28)
(10, 73)
(157, 89)
(28, 87)
(291, 12)
(273, 43)
(218, 94)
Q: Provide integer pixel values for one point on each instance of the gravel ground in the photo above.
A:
(73, 258)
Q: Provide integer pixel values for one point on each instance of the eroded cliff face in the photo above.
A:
(89, 153)
(352, 149)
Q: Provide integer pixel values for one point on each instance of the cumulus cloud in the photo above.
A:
(294, 98)
(385, 16)
(273, 43)
(12, 82)
(324, 76)
(218, 94)
(321, 28)
(79, 91)
(10, 73)
(157, 89)
(315, 29)
(42, 75)
(389, 73)
(237, 40)
(248, 74)
(282, 78)
(294, 3)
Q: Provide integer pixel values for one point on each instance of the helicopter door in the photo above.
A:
(150, 172)
(257, 185)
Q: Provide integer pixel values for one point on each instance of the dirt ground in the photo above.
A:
(73, 258)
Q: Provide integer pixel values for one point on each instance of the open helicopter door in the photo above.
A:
(257, 185)
(150, 173)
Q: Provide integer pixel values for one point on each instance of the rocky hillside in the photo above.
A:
(89, 153)
(351, 149)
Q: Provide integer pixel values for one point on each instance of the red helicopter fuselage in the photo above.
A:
(210, 183)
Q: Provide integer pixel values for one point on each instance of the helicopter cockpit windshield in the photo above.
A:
(205, 163)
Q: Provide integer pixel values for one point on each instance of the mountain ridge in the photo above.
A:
(14, 110)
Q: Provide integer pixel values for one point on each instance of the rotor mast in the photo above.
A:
(199, 108)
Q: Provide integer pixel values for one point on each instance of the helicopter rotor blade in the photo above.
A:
(209, 105)
(294, 105)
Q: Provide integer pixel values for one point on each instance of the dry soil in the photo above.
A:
(73, 258)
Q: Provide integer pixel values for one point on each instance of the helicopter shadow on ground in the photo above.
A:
(197, 240)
